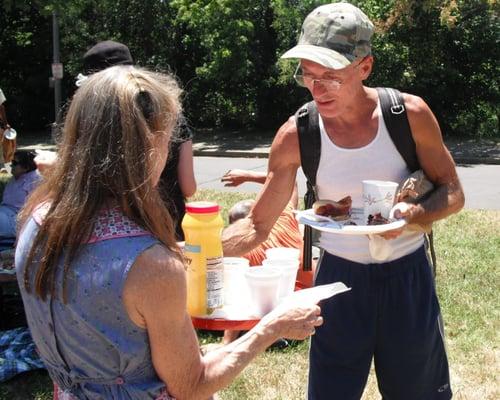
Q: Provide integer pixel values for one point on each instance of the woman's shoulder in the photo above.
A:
(156, 280)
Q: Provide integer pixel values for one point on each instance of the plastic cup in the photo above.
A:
(289, 269)
(378, 197)
(263, 284)
(235, 285)
(282, 253)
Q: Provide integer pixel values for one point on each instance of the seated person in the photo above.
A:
(286, 231)
(25, 178)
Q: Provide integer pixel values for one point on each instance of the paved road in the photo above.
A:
(481, 182)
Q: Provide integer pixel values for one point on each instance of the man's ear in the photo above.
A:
(365, 68)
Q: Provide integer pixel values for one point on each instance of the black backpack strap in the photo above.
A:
(307, 121)
(396, 120)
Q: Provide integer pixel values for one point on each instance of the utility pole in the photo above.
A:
(57, 68)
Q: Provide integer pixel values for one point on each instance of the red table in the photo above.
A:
(219, 324)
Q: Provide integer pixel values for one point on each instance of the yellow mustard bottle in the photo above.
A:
(202, 225)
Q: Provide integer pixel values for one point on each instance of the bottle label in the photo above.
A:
(215, 283)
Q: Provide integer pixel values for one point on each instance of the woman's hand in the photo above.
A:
(292, 321)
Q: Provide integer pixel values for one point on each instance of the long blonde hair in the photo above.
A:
(107, 154)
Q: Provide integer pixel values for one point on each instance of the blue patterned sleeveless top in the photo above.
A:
(90, 347)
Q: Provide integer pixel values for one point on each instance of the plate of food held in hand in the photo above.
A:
(340, 217)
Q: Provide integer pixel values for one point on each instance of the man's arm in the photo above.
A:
(437, 163)
(284, 159)
(185, 169)
(236, 177)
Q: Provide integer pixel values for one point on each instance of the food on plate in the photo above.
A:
(336, 210)
(377, 219)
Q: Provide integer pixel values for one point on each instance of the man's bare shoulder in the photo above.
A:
(423, 123)
(286, 142)
(415, 106)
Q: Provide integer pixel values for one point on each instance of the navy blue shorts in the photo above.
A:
(391, 315)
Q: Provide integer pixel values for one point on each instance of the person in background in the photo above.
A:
(4, 125)
(177, 181)
(25, 178)
(97, 256)
(285, 232)
(392, 313)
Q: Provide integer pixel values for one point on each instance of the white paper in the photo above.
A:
(315, 294)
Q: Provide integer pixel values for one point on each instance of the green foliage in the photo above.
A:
(226, 53)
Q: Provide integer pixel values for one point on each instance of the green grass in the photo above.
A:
(468, 284)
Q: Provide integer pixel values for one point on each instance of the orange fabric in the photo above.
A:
(285, 233)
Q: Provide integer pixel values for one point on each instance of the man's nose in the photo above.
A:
(317, 89)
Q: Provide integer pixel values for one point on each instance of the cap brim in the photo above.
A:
(321, 55)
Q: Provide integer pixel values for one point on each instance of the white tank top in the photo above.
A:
(340, 173)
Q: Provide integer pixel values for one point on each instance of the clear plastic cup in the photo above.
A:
(235, 285)
(263, 284)
(283, 253)
(289, 269)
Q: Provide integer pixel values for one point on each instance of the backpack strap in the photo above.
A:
(396, 120)
(307, 122)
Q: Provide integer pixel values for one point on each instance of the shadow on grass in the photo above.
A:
(28, 385)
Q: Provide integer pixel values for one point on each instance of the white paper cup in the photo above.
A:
(288, 268)
(378, 197)
(283, 253)
(235, 284)
(263, 284)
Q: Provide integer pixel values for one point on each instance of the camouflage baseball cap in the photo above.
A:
(334, 35)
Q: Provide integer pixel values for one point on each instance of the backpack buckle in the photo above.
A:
(398, 109)
(303, 112)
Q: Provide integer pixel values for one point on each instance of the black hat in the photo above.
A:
(106, 54)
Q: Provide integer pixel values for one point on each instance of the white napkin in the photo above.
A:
(379, 248)
(315, 294)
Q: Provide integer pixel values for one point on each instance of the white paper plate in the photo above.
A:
(325, 224)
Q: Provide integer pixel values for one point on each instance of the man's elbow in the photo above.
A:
(459, 202)
(189, 190)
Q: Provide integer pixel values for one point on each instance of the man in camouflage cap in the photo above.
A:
(391, 314)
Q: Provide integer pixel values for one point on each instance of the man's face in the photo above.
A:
(331, 88)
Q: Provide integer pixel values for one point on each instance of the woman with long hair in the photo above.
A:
(101, 276)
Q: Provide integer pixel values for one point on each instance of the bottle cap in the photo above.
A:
(202, 207)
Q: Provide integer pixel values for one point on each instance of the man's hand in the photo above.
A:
(235, 177)
(408, 211)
